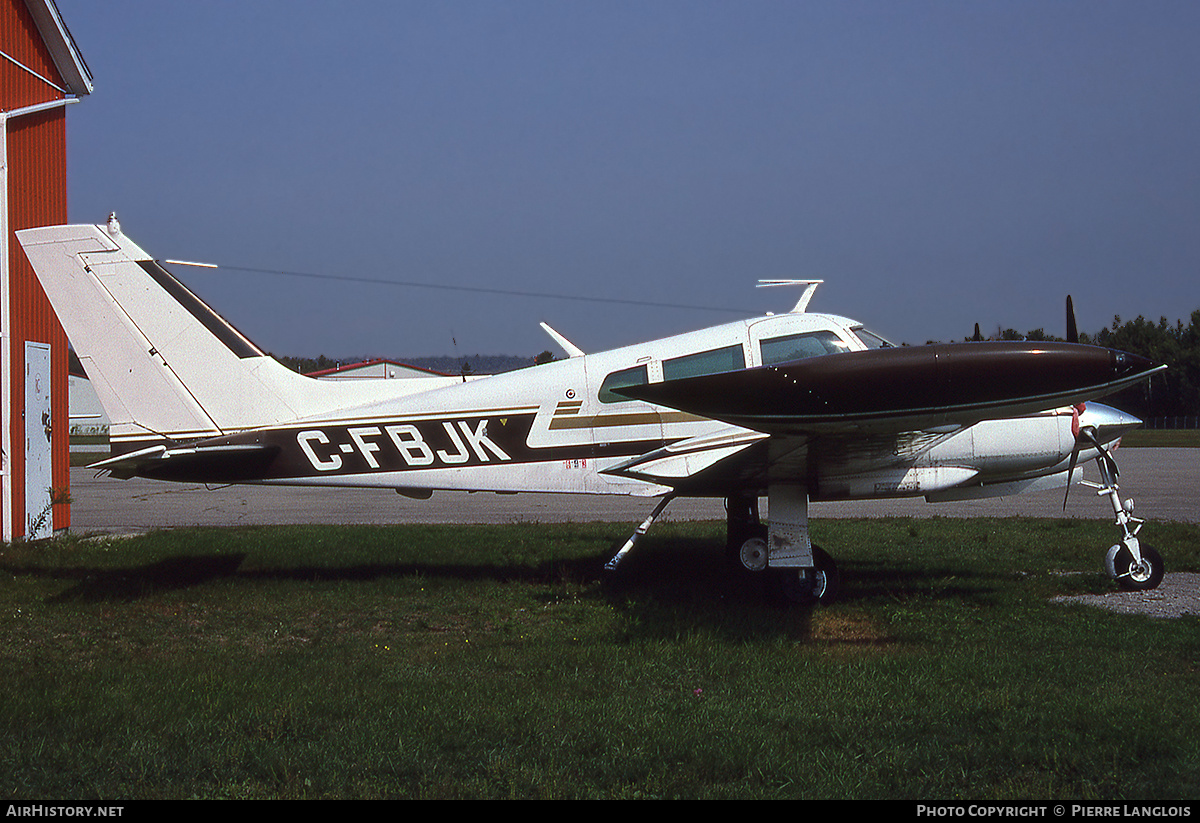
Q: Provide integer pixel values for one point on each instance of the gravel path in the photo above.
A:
(1177, 595)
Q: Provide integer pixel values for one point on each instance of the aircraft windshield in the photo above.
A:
(799, 346)
(872, 340)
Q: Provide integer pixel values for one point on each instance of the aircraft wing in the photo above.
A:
(741, 458)
(685, 462)
(904, 389)
(865, 412)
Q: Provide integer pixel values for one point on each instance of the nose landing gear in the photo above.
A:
(1134, 565)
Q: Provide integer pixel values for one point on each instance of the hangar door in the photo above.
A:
(39, 478)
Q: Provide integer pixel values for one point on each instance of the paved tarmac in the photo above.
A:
(1161, 481)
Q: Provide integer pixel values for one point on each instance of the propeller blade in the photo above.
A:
(1076, 411)
(1071, 473)
(1072, 331)
(1090, 434)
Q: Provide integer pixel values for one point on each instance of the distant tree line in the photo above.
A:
(1175, 392)
(308, 365)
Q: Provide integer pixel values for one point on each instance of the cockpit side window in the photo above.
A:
(799, 346)
(870, 339)
(637, 376)
(730, 358)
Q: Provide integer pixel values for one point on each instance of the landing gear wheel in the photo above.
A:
(749, 552)
(820, 584)
(752, 556)
(1134, 576)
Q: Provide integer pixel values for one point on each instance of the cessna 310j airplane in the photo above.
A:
(794, 407)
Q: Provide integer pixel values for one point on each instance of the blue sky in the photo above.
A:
(938, 164)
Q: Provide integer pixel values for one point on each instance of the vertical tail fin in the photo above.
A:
(164, 364)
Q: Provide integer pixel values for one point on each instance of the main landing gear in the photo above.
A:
(780, 553)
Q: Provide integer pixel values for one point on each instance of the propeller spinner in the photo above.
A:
(1095, 425)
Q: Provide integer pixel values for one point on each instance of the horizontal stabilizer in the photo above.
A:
(198, 463)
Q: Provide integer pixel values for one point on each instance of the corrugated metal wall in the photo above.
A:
(37, 196)
(21, 41)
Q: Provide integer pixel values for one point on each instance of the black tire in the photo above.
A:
(1143, 578)
(820, 585)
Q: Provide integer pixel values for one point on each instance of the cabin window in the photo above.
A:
(800, 346)
(637, 376)
(730, 358)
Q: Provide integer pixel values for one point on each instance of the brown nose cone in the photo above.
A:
(1124, 363)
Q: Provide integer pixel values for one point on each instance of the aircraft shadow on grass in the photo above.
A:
(98, 585)
(672, 583)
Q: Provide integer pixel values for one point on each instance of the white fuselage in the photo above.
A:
(585, 431)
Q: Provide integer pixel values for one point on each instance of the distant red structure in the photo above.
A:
(41, 72)
(378, 369)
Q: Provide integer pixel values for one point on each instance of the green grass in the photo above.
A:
(1162, 438)
(501, 662)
